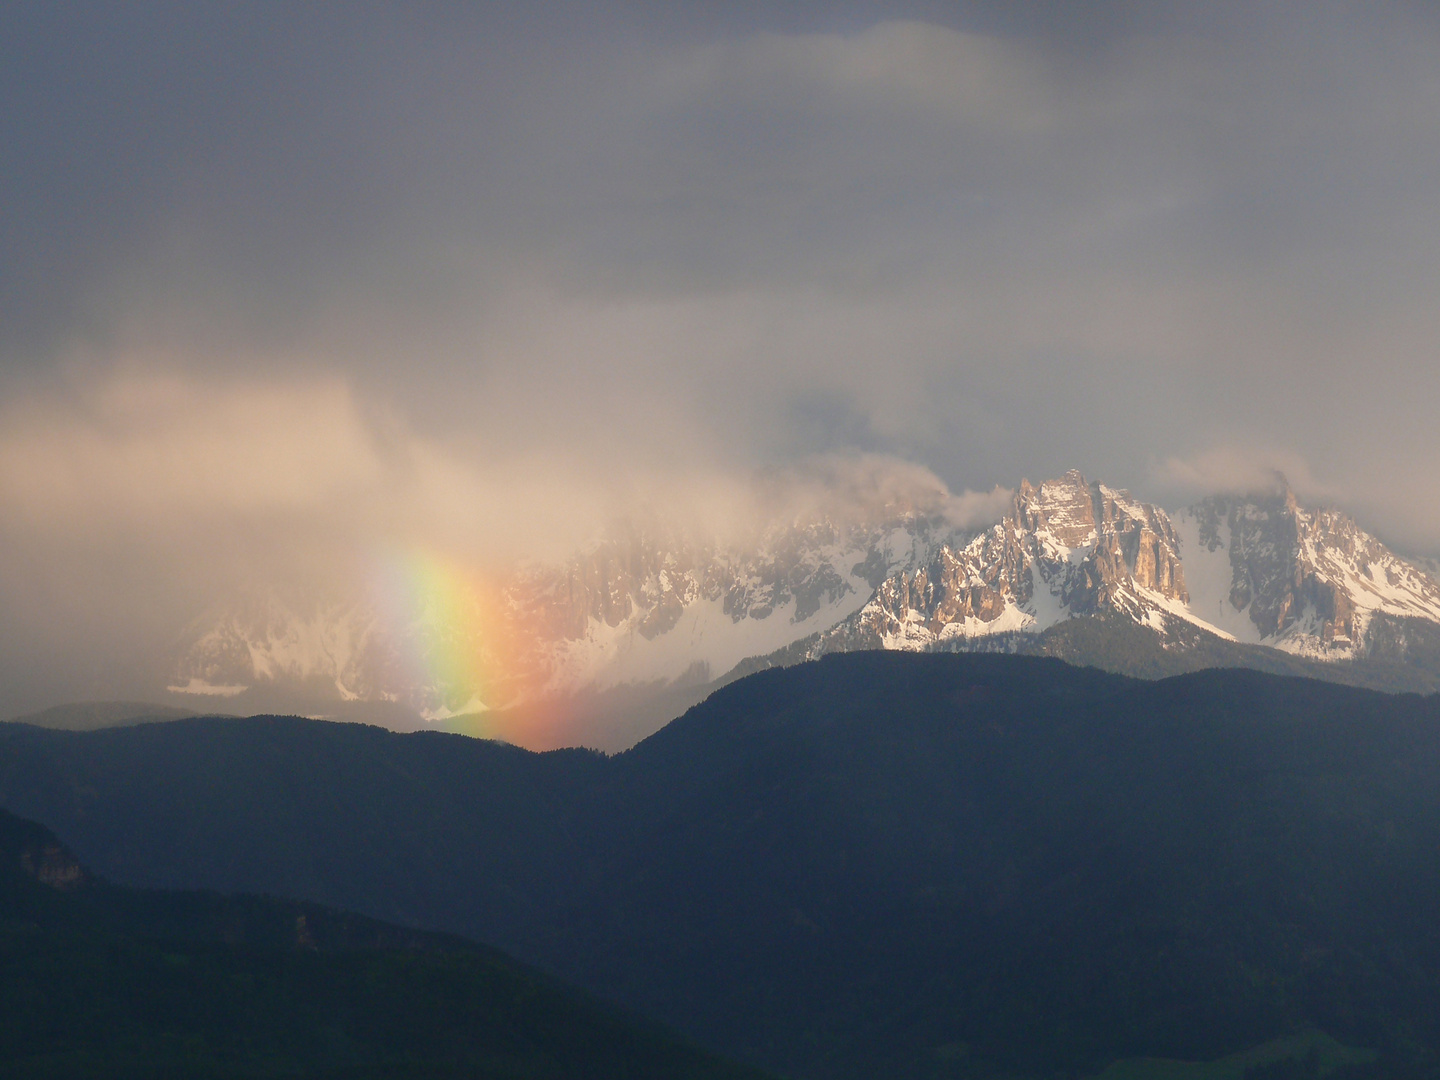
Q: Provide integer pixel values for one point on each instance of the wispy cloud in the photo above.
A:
(1232, 470)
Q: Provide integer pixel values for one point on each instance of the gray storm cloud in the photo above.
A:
(285, 287)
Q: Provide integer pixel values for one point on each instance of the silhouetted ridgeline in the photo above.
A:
(100, 981)
(876, 865)
(91, 715)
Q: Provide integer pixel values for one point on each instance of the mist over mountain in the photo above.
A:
(656, 610)
(90, 715)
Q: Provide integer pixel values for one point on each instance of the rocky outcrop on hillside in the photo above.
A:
(29, 850)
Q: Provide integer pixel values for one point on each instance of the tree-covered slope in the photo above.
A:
(874, 865)
(100, 981)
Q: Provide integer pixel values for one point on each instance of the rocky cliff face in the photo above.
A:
(30, 850)
(1307, 581)
(1068, 547)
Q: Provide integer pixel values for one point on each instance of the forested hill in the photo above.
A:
(98, 981)
(874, 865)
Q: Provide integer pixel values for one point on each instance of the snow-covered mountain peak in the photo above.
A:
(1307, 581)
(1067, 547)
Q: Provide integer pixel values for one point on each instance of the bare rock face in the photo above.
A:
(1117, 544)
(1067, 547)
(1311, 581)
(32, 851)
(1272, 577)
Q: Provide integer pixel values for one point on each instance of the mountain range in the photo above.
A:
(1258, 580)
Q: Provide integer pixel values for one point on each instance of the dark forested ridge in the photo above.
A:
(98, 981)
(92, 715)
(874, 865)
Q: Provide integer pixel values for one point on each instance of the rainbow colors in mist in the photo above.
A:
(459, 637)
(454, 640)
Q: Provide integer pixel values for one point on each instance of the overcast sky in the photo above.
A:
(314, 279)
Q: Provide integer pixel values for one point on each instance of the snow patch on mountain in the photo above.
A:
(1209, 578)
(705, 634)
(201, 688)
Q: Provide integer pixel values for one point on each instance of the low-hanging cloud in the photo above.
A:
(150, 448)
(135, 504)
(1235, 470)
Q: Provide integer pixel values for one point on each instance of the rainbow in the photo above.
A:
(455, 634)
(454, 638)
